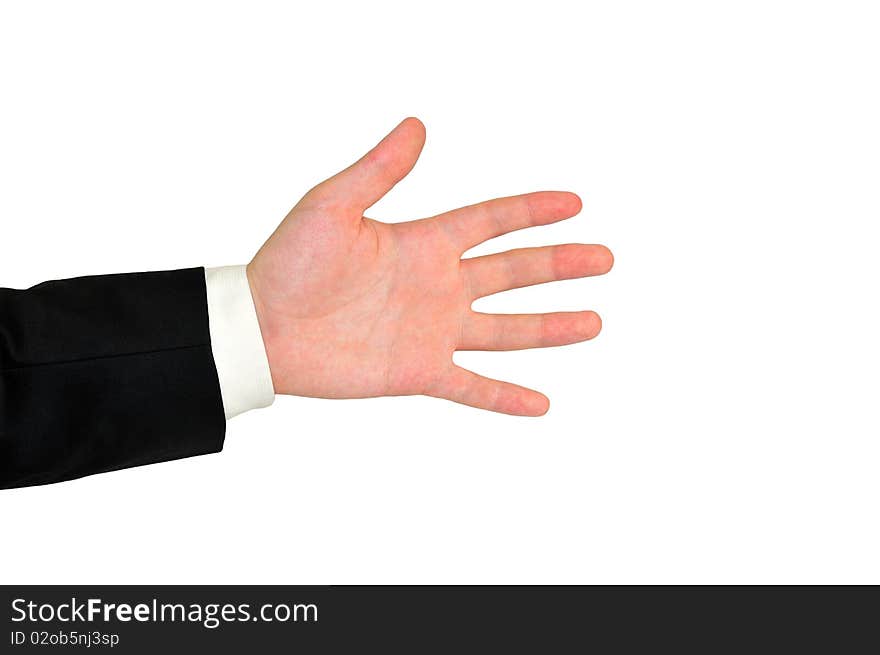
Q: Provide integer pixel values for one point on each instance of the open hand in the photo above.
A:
(350, 307)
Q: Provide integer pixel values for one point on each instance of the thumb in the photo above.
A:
(363, 183)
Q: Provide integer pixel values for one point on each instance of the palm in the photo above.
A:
(351, 307)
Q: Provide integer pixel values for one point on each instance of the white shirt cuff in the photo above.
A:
(236, 341)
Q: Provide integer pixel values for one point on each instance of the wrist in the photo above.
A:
(237, 344)
(264, 324)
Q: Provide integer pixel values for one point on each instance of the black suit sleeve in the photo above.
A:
(102, 373)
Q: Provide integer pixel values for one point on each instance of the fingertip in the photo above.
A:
(583, 326)
(594, 322)
(417, 122)
(541, 405)
(524, 402)
(530, 403)
(608, 256)
(413, 124)
(562, 204)
(551, 206)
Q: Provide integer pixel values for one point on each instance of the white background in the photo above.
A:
(724, 426)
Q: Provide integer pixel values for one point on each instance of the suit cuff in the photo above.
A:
(236, 341)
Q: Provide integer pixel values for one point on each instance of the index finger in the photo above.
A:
(471, 225)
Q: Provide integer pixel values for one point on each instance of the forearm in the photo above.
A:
(107, 372)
